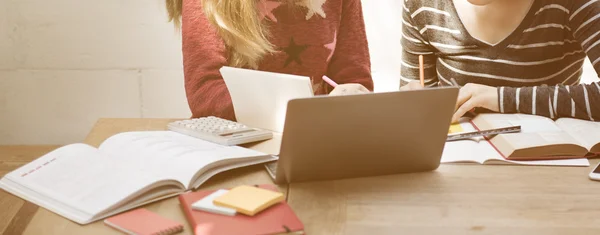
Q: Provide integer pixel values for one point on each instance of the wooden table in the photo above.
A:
(15, 213)
(46, 222)
(455, 199)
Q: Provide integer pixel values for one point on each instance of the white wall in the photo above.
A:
(66, 63)
(6, 42)
(383, 24)
(71, 62)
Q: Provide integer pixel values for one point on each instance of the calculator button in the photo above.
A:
(218, 130)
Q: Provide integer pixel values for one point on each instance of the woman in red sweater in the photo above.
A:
(302, 37)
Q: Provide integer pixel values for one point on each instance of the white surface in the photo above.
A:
(255, 94)
(206, 204)
(535, 125)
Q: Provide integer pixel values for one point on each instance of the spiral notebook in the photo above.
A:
(143, 222)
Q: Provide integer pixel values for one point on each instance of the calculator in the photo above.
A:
(219, 130)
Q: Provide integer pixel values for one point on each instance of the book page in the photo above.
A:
(535, 130)
(586, 132)
(169, 154)
(82, 178)
(462, 150)
(528, 123)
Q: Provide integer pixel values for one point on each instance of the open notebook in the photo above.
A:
(85, 184)
(541, 137)
(479, 150)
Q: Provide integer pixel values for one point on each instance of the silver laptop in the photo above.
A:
(260, 98)
(327, 138)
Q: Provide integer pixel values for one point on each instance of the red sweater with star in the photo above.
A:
(330, 41)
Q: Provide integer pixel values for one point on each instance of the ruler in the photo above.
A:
(468, 135)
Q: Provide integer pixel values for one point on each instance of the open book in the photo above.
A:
(541, 137)
(85, 184)
(480, 150)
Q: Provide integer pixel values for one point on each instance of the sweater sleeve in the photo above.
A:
(413, 45)
(350, 62)
(580, 101)
(204, 53)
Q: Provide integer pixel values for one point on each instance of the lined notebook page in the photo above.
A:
(170, 154)
(80, 176)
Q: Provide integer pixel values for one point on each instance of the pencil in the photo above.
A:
(329, 81)
(453, 81)
(421, 71)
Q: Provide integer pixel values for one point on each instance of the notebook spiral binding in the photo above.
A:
(172, 230)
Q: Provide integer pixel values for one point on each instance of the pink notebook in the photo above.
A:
(278, 219)
(143, 222)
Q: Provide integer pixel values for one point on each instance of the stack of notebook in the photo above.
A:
(258, 212)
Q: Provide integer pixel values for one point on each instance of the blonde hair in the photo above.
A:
(239, 25)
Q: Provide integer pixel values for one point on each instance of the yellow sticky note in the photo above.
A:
(455, 128)
(249, 200)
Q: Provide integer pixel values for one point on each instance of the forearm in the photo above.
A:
(204, 53)
(210, 98)
(580, 101)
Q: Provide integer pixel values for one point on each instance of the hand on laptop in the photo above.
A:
(413, 85)
(473, 96)
(349, 89)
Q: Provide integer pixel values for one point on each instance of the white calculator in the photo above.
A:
(220, 131)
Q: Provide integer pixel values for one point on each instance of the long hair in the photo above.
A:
(239, 25)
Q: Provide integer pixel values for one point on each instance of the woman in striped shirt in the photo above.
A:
(515, 56)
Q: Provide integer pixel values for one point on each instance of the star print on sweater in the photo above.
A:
(335, 46)
(331, 46)
(293, 51)
(315, 7)
(266, 9)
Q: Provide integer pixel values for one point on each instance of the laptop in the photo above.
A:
(338, 137)
(260, 98)
(328, 138)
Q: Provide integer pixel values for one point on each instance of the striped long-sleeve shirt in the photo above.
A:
(537, 68)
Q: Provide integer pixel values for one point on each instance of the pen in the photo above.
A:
(329, 81)
(421, 71)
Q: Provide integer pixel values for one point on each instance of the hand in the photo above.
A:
(413, 85)
(474, 95)
(349, 89)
